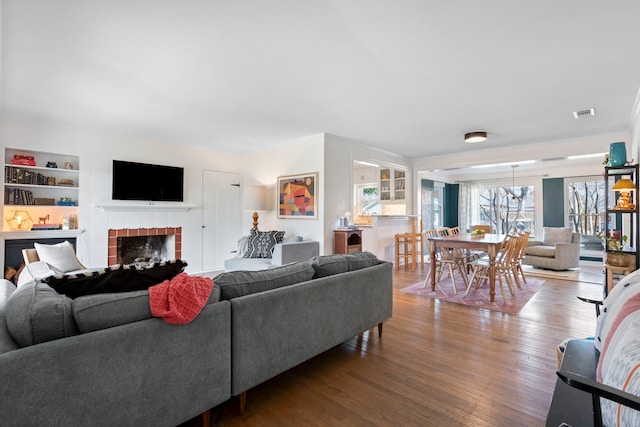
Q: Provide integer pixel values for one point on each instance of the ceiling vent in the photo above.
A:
(584, 113)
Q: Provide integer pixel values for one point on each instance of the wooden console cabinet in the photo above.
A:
(347, 241)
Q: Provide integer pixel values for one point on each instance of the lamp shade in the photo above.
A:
(20, 220)
(624, 184)
(255, 198)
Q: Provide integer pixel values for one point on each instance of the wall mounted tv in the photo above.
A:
(147, 182)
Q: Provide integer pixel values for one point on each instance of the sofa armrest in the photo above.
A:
(285, 253)
(534, 243)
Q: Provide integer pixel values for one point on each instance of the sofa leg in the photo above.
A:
(380, 330)
(242, 402)
(205, 418)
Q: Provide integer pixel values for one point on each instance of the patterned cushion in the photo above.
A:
(626, 288)
(618, 364)
(261, 243)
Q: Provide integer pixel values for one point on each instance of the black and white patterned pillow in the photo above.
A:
(115, 278)
(261, 243)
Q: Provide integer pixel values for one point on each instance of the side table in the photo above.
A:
(610, 270)
(347, 241)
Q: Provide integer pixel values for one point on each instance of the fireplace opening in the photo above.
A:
(144, 249)
(144, 246)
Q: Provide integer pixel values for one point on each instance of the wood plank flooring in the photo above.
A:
(437, 364)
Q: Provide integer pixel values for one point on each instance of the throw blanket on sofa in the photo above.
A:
(181, 299)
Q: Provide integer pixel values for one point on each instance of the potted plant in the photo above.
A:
(614, 250)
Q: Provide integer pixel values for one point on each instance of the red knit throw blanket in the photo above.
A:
(181, 299)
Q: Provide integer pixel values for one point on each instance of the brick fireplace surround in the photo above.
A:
(142, 232)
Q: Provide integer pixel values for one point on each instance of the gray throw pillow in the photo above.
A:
(328, 265)
(36, 313)
(261, 243)
(238, 283)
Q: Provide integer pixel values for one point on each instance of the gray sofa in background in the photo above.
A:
(290, 250)
(559, 249)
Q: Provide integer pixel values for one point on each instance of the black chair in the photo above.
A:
(598, 390)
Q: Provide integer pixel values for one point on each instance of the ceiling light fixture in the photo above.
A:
(493, 165)
(477, 136)
(586, 156)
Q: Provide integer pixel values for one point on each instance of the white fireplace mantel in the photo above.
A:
(151, 206)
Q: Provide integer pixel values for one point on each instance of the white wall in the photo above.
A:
(304, 155)
(97, 148)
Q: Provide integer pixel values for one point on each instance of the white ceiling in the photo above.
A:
(408, 76)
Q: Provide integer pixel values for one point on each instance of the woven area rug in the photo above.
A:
(589, 272)
(479, 297)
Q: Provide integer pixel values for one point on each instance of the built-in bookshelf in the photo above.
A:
(40, 188)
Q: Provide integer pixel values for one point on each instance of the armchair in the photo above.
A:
(559, 249)
(291, 249)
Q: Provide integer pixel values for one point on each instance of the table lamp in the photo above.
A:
(255, 198)
(20, 221)
(624, 187)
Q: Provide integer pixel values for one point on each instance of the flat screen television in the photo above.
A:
(147, 182)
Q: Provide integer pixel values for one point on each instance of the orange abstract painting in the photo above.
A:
(297, 196)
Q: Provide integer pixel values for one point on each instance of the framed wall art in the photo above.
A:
(298, 196)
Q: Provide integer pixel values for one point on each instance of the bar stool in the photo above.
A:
(410, 247)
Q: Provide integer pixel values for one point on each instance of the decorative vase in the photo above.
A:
(618, 259)
(617, 154)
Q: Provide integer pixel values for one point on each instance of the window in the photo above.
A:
(367, 199)
(586, 209)
(507, 209)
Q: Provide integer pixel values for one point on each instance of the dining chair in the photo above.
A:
(503, 267)
(523, 238)
(438, 266)
(452, 259)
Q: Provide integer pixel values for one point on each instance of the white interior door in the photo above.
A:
(221, 217)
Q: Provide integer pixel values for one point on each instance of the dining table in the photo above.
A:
(490, 243)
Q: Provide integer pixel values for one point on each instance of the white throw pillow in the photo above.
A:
(60, 256)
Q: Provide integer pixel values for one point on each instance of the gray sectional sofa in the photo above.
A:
(114, 364)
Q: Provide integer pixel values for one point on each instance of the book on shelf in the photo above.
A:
(45, 227)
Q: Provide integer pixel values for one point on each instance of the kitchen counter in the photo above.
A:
(379, 236)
